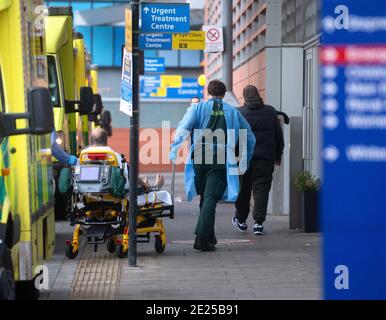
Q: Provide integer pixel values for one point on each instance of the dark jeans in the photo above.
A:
(258, 179)
(210, 182)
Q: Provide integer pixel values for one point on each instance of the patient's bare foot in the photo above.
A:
(159, 181)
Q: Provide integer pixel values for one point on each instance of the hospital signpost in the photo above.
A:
(131, 49)
(156, 18)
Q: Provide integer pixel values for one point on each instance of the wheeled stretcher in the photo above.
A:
(99, 206)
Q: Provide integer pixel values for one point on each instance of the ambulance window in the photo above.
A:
(53, 82)
(2, 99)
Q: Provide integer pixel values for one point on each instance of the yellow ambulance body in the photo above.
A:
(27, 226)
(67, 77)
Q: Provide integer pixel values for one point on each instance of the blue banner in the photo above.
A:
(354, 21)
(353, 104)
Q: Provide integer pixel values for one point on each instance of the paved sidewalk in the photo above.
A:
(283, 264)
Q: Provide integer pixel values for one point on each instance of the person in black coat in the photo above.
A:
(268, 151)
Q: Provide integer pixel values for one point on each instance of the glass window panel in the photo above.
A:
(79, 6)
(190, 58)
(102, 46)
(119, 41)
(59, 3)
(171, 58)
(86, 31)
(151, 53)
(102, 4)
(53, 82)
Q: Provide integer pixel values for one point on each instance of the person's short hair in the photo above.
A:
(216, 88)
(250, 92)
(98, 137)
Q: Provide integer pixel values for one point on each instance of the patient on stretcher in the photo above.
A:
(99, 141)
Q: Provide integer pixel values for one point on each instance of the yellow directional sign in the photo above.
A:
(171, 81)
(128, 30)
(161, 92)
(194, 40)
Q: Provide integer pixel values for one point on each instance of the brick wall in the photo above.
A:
(153, 154)
(249, 32)
(253, 72)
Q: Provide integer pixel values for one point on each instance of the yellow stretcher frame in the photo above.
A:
(111, 156)
(122, 244)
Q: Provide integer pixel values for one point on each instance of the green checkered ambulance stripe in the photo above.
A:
(4, 163)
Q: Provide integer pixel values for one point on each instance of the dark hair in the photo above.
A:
(216, 88)
(251, 94)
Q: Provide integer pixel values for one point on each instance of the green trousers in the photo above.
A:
(210, 182)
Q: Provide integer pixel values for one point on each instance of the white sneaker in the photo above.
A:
(241, 226)
(258, 229)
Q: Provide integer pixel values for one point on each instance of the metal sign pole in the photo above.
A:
(226, 15)
(133, 172)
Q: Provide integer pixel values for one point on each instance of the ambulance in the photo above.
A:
(99, 117)
(27, 222)
(73, 99)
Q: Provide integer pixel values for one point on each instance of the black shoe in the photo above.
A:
(196, 244)
(203, 244)
(258, 229)
(241, 226)
(213, 240)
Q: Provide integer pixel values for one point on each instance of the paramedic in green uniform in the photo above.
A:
(208, 171)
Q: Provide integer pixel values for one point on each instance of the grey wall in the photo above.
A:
(151, 114)
(273, 20)
(273, 97)
(292, 105)
(284, 83)
(300, 20)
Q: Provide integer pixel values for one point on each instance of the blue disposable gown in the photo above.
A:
(57, 151)
(197, 117)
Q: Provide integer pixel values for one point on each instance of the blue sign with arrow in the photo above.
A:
(155, 41)
(165, 18)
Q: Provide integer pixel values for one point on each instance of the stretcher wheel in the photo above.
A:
(159, 247)
(120, 251)
(70, 254)
(110, 245)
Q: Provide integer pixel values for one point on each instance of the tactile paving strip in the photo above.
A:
(97, 275)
